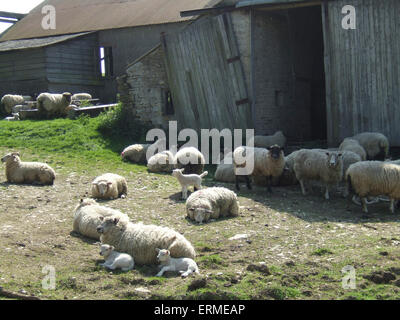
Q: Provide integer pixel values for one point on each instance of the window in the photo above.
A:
(169, 105)
(106, 62)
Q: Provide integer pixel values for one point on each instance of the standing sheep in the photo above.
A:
(27, 172)
(352, 145)
(212, 203)
(315, 165)
(374, 178)
(141, 241)
(9, 101)
(109, 186)
(191, 159)
(53, 104)
(375, 144)
(268, 163)
(277, 138)
(87, 217)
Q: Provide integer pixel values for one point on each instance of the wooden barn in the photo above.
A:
(273, 65)
(91, 45)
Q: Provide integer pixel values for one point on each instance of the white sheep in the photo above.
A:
(315, 165)
(116, 260)
(267, 163)
(140, 240)
(109, 186)
(191, 159)
(375, 144)
(161, 162)
(81, 96)
(212, 203)
(136, 153)
(225, 171)
(9, 101)
(278, 138)
(185, 266)
(87, 217)
(374, 178)
(27, 172)
(187, 180)
(53, 104)
(14, 117)
(353, 145)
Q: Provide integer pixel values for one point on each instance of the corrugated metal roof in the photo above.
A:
(73, 16)
(37, 43)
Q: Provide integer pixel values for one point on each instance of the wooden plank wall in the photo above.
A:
(206, 76)
(363, 69)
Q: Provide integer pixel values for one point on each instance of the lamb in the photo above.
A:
(185, 266)
(268, 163)
(109, 186)
(115, 259)
(353, 145)
(315, 165)
(87, 217)
(27, 172)
(140, 240)
(375, 144)
(53, 104)
(14, 117)
(135, 153)
(187, 180)
(212, 203)
(81, 96)
(161, 162)
(278, 138)
(9, 101)
(374, 178)
(191, 159)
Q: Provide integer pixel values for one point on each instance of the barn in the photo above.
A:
(91, 45)
(290, 65)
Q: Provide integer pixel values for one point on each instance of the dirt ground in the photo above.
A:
(295, 247)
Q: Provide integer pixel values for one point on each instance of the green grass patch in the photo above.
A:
(322, 252)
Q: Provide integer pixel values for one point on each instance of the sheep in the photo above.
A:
(185, 266)
(191, 159)
(87, 217)
(116, 260)
(15, 117)
(375, 144)
(268, 163)
(212, 203)
(140, 240)
(19, 108)
(326, 167)
(27, 172)
(109, 186)
(225, 170)
(187, 180)
(53, 104)
(161, 162)
(9, 101)
(135, 153)
(353, 145)
(81, 96)
(278, 138)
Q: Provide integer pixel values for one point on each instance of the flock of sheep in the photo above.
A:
(125, 243)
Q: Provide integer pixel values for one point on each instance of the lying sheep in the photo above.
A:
(135, 153)
(14, 117)
(277, 138)
(87, 217)
(27, 172)
(187, 180)
(212, 203)
(9, 101)
(353, 145)
(315, 165)
(53, 104)
(374, 178)
(161, 162)
(375, 144)
(109, 186)
(225, 171)
(191, 159)
(268, 163)
(141, 241)
(116, 260)
(81, 96)
(185, 266)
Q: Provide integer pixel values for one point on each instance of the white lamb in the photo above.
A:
(352, 145)
(141, 241)
(315, 165)
(375, 144)
(187, 180)
(185, 266)
(109, 186)
(87, 217)
(116, 260)
(53, 104)
(191, 159)
(278, 138)
(212, 203)
(27, 172)
(161, 162)
(9, 101)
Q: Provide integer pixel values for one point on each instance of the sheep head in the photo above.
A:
(177, 172)
(11, 157)
(275, 151)
(106, 250)
(200, 214)
(107, 224)
(333, 159)
(163, 255)
(102, 187)
(67, 96)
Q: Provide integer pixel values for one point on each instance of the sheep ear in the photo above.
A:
(327, 153)
(112, 248)
(158, 250)
(116, 220)
(168, 252)
(94, 183)
(81, 200)
(109, 183)
(101, 218)
(340, 154)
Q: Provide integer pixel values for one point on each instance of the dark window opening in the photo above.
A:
(169, 105)
(106, 62)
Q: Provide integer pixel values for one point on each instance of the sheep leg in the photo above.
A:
(391, 205)
(303, 189)
(269, 181)
(164, 269)
(364, 204)
(248, 183)
(184, 193)
(327, 193)
(237, 182)
(185, 274)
